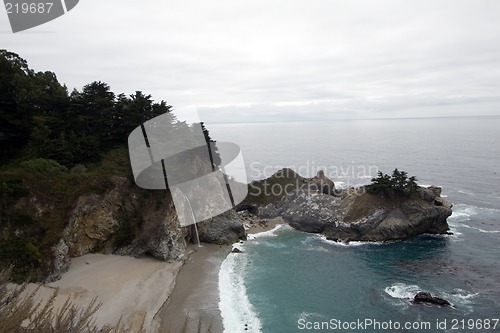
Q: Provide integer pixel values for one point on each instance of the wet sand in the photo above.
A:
(193, 305)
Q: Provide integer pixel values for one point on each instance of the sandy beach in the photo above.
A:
(130, 288)
(194, 303)
(163, 297)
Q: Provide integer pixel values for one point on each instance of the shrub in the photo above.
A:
(101, 185)
(22, 255)
(13, 189)
(43, 165)
(79, 169)
(22, 217)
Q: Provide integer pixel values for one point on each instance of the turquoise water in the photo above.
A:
(286, 279)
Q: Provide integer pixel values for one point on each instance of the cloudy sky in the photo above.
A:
(279, 60)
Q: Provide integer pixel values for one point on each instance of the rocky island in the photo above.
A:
(353, 214)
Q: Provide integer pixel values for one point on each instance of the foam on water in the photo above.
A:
(458, 297)
(238, 314)
(352, 243)
(310, 316)
(402, 291)
(463, 213)
(269, 233)
(482, 230)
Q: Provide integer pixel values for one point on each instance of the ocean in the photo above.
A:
(288, 281)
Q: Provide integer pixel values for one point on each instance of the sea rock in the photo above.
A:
(353, 214)
(320, 184)
(399, 220)
(236, 250)
(426, 297)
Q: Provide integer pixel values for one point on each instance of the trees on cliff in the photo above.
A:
(57, 146)
(39, 118)
(397, 184)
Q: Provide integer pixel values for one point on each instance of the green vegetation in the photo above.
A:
(397, 184)
(57, 146)
(22, 255)
(40, 119)
(42, 165)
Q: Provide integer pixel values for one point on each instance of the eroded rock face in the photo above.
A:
(226, 228)
(321, 184)
(60, 262)
(353, 215)
(97, 222)
(92, 222)
(160, 235)
(305, 211)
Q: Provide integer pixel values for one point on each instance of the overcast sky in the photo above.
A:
(279, 60)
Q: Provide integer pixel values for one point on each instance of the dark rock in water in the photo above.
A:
(236, 250)
(426, 297)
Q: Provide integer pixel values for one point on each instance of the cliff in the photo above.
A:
(131, 221)
(314, 205)
(62, 216)
(49, 218)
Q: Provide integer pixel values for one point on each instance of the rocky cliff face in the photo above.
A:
(353, 215)
(123, 220)
(382, 219)
(126, 220)
(226, 228)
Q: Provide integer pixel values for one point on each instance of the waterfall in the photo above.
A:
(194, 220)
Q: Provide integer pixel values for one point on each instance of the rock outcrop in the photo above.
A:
(60, 262)
(352, 214)
(93, 220)
(426, 297)
(127, 220)
(226, 228)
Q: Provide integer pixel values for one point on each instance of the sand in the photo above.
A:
(134, 289)
(194, 303)
(164, 297)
